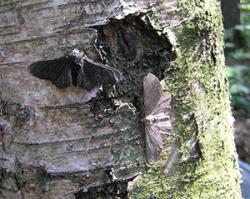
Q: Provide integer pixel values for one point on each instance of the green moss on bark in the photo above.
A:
(200, 91)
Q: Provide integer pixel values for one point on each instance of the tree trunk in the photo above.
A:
(231, 13)
(74, 143)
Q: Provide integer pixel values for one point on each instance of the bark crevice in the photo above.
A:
(76, 144)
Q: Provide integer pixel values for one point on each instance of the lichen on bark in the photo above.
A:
(197, 81)
(82, 143)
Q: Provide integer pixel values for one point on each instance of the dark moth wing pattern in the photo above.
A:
(157, 116)
(75, 69)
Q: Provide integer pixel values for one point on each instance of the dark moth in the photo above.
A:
(76, 69)
(157, 116)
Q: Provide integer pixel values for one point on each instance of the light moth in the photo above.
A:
(157, 116)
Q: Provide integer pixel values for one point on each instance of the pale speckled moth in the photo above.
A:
(157, 116)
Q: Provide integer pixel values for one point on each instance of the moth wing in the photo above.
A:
(157, 112)
(83, 81)
(161, 114)
(163, 105)
(58, 71)
(163, 126)
(100, 74)
(152, 92)
(64, 79)
(154, 144)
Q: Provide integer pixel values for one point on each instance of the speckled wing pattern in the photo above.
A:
(157, 116)
(75, 69)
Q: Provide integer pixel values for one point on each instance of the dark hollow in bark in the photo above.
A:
(135, 49)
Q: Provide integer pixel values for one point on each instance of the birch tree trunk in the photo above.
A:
(72, 143)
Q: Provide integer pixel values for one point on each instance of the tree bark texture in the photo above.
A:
(72, 143)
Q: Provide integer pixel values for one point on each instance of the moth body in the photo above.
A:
(157, 116)
(76, 69)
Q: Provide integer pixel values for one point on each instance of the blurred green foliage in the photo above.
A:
(239, 82)
(244, 1)
(245, 7)
(237, 50)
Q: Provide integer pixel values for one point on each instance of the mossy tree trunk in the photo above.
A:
(71, 143)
